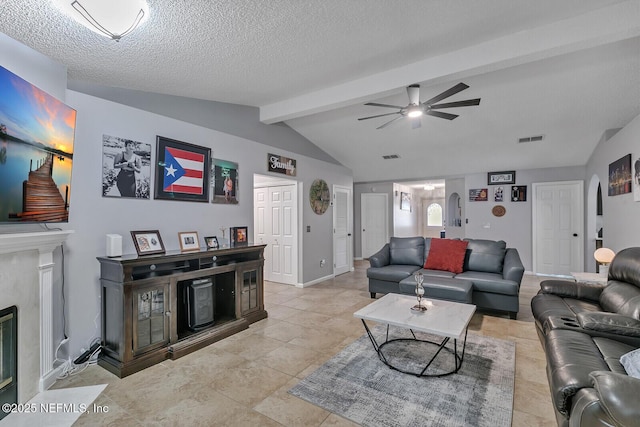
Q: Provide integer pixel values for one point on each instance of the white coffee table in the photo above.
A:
(446, 319)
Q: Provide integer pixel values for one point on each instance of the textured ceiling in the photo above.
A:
(568, 70)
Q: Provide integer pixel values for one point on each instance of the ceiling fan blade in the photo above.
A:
(416, 123)
(447, 93)
(414, 94)
(442, 115)
(379, 115)
(465, 103)
(375, 104)
(389, 122)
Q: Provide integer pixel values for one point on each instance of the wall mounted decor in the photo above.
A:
(224, 182)
(405, 201)
(636, 180)
(496, 178)
(319, 196)
(498, 194)
(518, 193)
(498, 210)
(37, 134)
(147, 242)
(478, 195)
(182, 171)
(281, 164)
(239, 236)
(620, 176)
(126, 168)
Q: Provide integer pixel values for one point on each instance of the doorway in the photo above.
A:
(558, 224)
(342, 230)
(275, 218)
(374, 214)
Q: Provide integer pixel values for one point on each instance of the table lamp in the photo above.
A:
(604, 256)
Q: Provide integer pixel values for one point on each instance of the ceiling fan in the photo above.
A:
(416, 109)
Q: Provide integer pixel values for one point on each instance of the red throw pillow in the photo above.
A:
(447, 255)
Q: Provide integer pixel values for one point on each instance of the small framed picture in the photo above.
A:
(147, 242)
(188, 241)
(405, 201)
(211, 242)
(518, 193)
(239, 236)
(496, 178)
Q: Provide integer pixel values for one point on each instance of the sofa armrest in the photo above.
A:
(612, 323)
(380, 258)
(571, 289)
(618, 395)
(512, 268)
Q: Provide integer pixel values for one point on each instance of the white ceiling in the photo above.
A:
(566, 69)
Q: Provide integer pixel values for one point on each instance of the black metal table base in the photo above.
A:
(457, 357)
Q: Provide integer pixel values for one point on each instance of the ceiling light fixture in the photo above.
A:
(114, 19)
(415, 112)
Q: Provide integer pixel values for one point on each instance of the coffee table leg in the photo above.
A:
(375, 344)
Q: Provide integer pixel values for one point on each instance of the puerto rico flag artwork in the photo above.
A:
(183, 171)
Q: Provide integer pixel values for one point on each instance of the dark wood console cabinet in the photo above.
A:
(144, 307)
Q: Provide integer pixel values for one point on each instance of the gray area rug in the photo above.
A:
(356, 385)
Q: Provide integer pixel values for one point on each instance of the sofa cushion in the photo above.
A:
(436, 273)
(631, 363)
(391, 273)
(490, 282)
(485, 255)
(622, 298)
(406, 251)
(447, 255)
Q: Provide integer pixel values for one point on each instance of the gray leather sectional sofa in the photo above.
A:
(491, 275)
(585, 330)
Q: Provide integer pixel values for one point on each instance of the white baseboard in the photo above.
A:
(315, 282)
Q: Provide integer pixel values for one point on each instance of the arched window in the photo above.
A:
(434, 215)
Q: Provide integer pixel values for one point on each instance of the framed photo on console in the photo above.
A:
(211, 242)
(147, 242)
(188, 241)
(239, 236)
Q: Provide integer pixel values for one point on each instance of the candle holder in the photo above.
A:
(419, 278)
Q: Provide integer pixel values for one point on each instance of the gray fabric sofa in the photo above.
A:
(491, 275)
(585, 330)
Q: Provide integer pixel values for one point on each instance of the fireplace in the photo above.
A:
(8, 357)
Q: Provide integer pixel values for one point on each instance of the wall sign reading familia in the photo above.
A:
(280, 164)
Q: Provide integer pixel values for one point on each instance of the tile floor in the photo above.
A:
(243, 380)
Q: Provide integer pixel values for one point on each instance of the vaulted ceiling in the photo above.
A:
(567, 70)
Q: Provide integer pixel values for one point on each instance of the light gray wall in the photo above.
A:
(620, 213)
(234, 119)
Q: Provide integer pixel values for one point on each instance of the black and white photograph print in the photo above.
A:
(498, 194)
(126, 168)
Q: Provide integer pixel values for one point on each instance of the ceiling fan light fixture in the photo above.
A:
(415, 112)
(114, 19)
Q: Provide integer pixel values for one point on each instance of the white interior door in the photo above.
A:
(342, 230)
(275, 224)
(374, 215)
(558, 218)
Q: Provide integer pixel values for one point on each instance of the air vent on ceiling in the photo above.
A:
(535, 138)
(391, 156)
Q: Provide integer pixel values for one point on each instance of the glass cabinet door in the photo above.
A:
(249, 279)
(150, 318)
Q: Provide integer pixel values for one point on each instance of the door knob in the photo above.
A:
(575, 234)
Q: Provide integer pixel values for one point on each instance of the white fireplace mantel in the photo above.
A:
(45, 243)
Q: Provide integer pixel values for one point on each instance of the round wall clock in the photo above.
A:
(319, 196)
